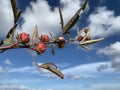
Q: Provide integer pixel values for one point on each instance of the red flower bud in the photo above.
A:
(23, 37)
(44, 38)
(61, 42)
(79, 38)
(88, 38)
(41, 47)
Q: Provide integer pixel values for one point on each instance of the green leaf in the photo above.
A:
(10, 36)
(91, 41)
(46, 65)
(70, 23)
(51, 35)
(12, 31)
(83, 46)
(53, 52)
(85, 37)
(61, 17)
(18, 15)
(84, 5)
(74, 19)
(16, 12)
(35, 35)
(50, 67)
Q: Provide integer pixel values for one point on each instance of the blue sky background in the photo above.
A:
(97, 69)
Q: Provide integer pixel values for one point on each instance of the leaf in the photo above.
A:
(61, 17)
(83, 46)
(10, 36)
(18, 15)
(12, 31)
(46, 65)
(51, 35)
(74, 19)
(53, 52)
(91, 41)
(53, 70)
(85, 37)
(70, 23)
(84, 5)
(35, 35)
(16, 12)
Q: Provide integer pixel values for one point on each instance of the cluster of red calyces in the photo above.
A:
(41, 47)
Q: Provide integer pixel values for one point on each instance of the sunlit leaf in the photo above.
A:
(10, 36)
(51, 35)
(53, 52)
(18, 15)
(50, 67)
(12, 31)
(70, 23)
(85, 37)
(35, 35)
(61, 17)
(46, 65)
(84, 5)
(83, 46)
(74, 19)
(91, 41)
(16, 12)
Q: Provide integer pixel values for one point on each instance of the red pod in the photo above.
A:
(61, 42)
(44, 38)
(23, 37)
(88, 38)
(79, 38)
(40, 48)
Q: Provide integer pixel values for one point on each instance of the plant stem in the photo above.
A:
(10, 46)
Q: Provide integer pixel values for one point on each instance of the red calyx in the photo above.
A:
(23, 37)
(44, 38)
(40, 48)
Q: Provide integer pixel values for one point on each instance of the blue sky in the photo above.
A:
(96, 69)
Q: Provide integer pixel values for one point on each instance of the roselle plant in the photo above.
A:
(39, 44)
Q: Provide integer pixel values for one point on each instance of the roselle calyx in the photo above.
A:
(40, 47)
(23, 38)
(44, 38)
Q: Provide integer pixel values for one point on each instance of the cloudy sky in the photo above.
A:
(97, 69)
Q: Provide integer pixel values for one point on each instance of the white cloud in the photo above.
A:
(63, 65)
(8, 62)
(4, 69)
(1, 69)
(104, 23)
(113, 52)
(47, 20)
(91, 86)
(39, 13)
(29, 70)
(13, 87)
(105, 86)
(78, 72)
(25, 69)
(6, 17)
(86, 70)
